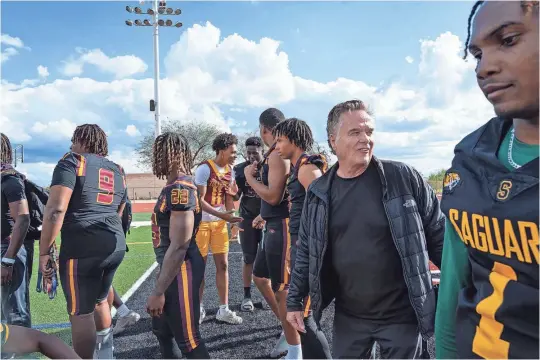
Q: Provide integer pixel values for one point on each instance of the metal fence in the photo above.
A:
(143, 193)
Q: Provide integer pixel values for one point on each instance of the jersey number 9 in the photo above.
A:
(106, 187)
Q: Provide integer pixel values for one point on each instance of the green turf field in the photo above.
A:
(139, 258)
(141, 216)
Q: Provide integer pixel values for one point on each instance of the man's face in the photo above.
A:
(284, 147)
(504, 41)
(352, 139)
(253, 153)
(230, 154)
(266, 135)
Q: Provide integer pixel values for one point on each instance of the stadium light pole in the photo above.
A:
(158, 8)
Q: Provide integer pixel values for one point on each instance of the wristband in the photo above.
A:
(8, 261)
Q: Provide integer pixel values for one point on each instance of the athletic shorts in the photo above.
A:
(249, 240)
(87, 281)
(294, 247)
(273, 259)
(214, 236)
(182, 307)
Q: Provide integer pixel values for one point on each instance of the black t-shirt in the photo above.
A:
(12, 191)
(296, 190)
(250, 203)
(364, 257)
(92, 226)
(281, 210)
(181, 195)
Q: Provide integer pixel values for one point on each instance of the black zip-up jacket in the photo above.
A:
(417, 227)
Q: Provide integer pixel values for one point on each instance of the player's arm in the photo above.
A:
(278, 169)
(62, 185)
(124, 197)
(13, 190)
(230, 193)
(432, 218)
(21, 341)
(238, 188)
(307, 174)
(181, 225)
(455, 275)
(202, 174)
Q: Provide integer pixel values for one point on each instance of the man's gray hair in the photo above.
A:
(335, 114)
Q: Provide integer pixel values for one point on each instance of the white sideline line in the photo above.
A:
(136, 286)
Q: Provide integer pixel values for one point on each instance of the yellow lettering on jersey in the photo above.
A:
(487, 341)
(466, 231)
(504, 189)
(528, 232)
(499, 251)
(179, 196)
(479, 236)
(510, 242)
(513, 240)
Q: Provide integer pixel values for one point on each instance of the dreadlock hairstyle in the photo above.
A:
(93, 138)
(254, 141)
(7, 153)
(171, 149)
(525, 5)
(297, 131)
(223, 141)
(335, 113)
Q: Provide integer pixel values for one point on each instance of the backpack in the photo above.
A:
(126, 217)
(37, 198)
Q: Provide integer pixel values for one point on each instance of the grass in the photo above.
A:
(139, 258)
(141, 216)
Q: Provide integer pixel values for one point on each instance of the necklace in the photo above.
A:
(510, 147)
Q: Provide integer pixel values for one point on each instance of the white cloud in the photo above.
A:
(409, 59)
(43, 72)
(132, 130)
(58, 129)
(12, 43)
(120, 66)
(205, 74)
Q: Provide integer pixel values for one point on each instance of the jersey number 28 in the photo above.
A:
(106, 187)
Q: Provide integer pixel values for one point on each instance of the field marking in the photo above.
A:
(136, 286)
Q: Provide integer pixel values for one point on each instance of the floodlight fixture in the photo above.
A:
(177, 12)
(146, 22)
(129, 23)
(161, 22)
(150, 12)
(138, 22)
(138, 10)
(169, 11)
(161, 10)
(129, 9)
(178, 24)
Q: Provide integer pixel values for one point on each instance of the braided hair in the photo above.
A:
(525, 5)
(92, 138)
(171, 148)
(7, 152)
(297, 131)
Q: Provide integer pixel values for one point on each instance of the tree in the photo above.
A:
(319, 148)
(436, 180)
(199, 135)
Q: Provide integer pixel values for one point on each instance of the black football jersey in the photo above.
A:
(296, 190)
(91, 225)
(281, 210)
(181, 195)
(250, 203)
(495, 213)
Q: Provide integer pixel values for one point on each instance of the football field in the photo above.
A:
(253, 339)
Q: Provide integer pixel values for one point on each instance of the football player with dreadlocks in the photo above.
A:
(293, 140)
(174, 303)
(87, 197)
(488, 297)
(15, 224)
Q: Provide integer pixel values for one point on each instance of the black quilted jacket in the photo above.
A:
(417, 226)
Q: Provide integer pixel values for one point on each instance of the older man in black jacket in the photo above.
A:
(369, 228)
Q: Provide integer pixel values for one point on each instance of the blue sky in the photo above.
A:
(362, 43)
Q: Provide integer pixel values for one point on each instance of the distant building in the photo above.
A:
(144, 186)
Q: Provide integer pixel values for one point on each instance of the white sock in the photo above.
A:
(224, 307)
(294, 352)
(104, 344)
(123, 310)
